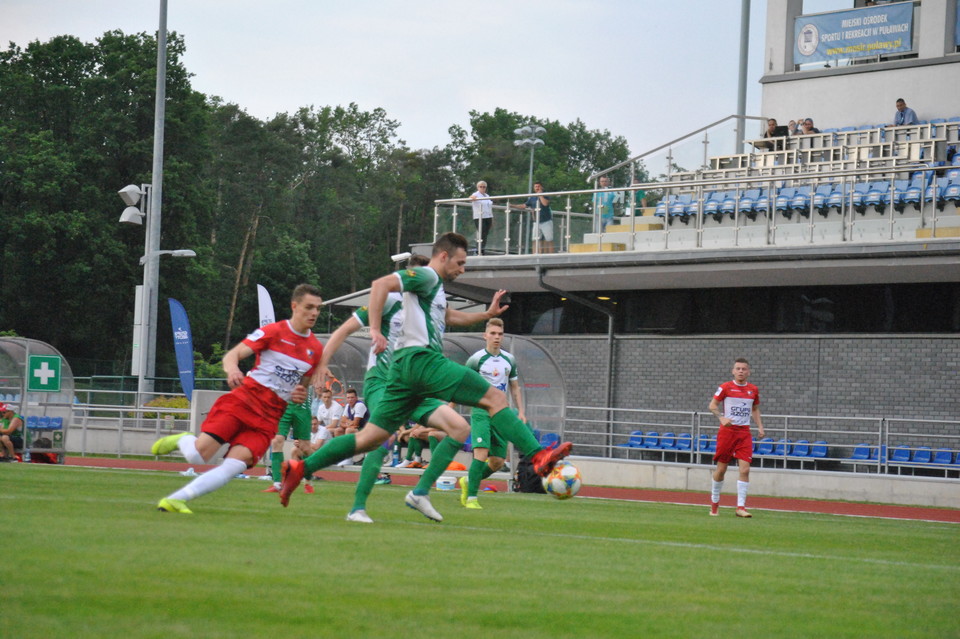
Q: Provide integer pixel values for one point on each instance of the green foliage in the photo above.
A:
(212, 367)
(165, 402)
(581, 568)
(322, 194)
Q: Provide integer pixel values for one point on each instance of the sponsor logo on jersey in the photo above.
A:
(254, 336)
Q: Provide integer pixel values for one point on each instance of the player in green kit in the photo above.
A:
(431, 411)
(420, 371)
(296, 418)
(498, 367)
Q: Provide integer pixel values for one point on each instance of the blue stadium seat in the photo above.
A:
(747, 200)
(861, 452)
(922, 455)
(765, 446)
(668, 441)
(820, 196)
(952, 191)
(900, 455)
(651, 439)
(801, 448)
(835, 199)
(857, 195)
(819, 449)
(33, 422)
(706, 444)
(56, 423)
(711, 205)
(684, 441)
(43, 422)
(678, 208)
(728, 205)
(761, 204)
(782, 447)
(800, 202)
(935, 122)
(635, 441)
(882, 453)
(782, 202)
(878, 196)
(548, 439)
(943, 456)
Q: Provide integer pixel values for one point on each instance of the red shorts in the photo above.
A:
(734, 442)
(232, 419)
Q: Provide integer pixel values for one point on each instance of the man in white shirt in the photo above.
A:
(482, 215)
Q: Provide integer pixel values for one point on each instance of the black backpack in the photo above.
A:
(525, 480)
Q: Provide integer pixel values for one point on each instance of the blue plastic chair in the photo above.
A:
(877, 196)
(765, 446)
(548, 439)
(800, 202)
(33, 422)
(668, 441)
(684, 441)
(56, 423)
(651, 439)
(819, 450)
(820, 198)
(922, 455)
(43, 422)
(862, 451)
(943, 456)
(782, 202)
(635, 441)
(761, 204)
(900, 455)
(801, 448)
(782, 448)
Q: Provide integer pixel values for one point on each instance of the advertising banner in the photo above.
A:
(856, 33)
(182, 345)
(265, 306)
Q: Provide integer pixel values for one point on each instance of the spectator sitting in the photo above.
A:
(773, 131)
(807, 128)
(904, 115)
(10, 426)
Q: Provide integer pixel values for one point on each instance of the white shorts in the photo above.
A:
(543, 231)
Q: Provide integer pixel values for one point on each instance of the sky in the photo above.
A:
(647, 70)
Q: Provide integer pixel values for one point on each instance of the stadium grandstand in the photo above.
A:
(831, 260)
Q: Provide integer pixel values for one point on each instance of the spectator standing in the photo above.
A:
(246, 418)
(11, 427)
(542, 228)
(603, 203)
(734, 403)
(482, 215)
(904, 115)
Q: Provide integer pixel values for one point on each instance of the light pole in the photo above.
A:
(529, 136)
(145, 311)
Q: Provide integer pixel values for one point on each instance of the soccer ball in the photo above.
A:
(563, 482)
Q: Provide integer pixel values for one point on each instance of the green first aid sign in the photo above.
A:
(43, 373)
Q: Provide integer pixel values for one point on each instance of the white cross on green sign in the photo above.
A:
(43, 373)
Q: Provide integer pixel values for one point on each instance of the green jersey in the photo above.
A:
(496, 369)
(424, 309)
(390, 327)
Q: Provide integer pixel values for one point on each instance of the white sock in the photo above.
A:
(715, 487)
(188, 448)
(211, 480)
(742, 493)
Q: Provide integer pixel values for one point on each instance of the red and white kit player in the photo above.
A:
(741, 403)
(246, 418)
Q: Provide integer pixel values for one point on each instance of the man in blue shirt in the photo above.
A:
(904, 115)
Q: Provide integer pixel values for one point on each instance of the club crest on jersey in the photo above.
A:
(310, 353)
(411, 272)
(254, 336)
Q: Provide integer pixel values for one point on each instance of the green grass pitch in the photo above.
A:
(87, 555)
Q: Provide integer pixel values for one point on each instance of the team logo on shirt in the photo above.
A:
(310, 353)
(254, 336)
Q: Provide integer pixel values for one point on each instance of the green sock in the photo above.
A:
(487, 471)
(414, 448)
(474, 477)
(432, 442)
(512, 429)
(368, 474)
(276, 460)
(330, 453)
(441, 458)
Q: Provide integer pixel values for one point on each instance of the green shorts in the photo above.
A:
(418, 374)
(374, 386)
(483, 435)
(296, 416)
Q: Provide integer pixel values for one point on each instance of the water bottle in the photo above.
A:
(396, 454)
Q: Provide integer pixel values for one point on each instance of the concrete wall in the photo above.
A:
(915, 491)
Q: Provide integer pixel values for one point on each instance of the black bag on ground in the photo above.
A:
(525, 480)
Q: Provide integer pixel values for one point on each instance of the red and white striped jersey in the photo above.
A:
(738, 401)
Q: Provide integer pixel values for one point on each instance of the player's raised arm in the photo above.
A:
(461, 318)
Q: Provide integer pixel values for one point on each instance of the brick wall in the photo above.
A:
(913, 377)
